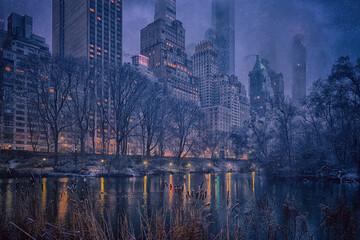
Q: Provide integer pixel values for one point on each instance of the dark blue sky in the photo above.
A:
(331, 28)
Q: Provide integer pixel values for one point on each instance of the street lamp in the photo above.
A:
(102, 165)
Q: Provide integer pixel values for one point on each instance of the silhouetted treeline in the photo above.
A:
(321, 135)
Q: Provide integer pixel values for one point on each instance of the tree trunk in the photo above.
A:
(56, 142)
(82, 149)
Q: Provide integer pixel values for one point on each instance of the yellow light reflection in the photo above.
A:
(145, 192)
(102, 196)
(208, 191)
(228, 188)
(189, 181)
(171, 193)
(184, 195)
(63, 201)
(44, 194)
(253, 182)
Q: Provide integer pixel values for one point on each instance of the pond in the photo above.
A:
(116, 197)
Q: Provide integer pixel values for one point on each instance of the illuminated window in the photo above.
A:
(91, 10)
(99, 18)
(51, 90)
(8, 69)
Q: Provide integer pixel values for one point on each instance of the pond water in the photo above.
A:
(115, 197)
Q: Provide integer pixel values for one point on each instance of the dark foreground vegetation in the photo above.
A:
(264, 219)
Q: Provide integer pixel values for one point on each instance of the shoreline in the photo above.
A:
(24, 173)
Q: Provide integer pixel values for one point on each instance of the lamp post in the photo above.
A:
(102, 165)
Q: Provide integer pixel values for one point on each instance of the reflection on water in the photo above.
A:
(228, 189)
(43, 199)
(102, 196)
(9, 196)
(63, 199)
(217, 193)
(253, 182)
(171, 191)
(119, 196)
(145, 193)
(208, 190)
(189, 181)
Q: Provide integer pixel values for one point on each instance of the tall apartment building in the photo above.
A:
(3, 33)
(205, 60)
(166, 10)
(225, 99)
(19, 127)
(298, 69)
(265, 85)
(90, 29)
(164, 44)
(222, 34)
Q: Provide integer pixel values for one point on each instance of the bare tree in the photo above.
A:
(54, 81)
(79, 103)
(126, 89)
(153, 115)
(185, 125)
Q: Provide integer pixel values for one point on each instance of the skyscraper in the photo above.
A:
(224, 102)
(164, 44)
(166, 10)
(3, 33)
(222, 34)
(90, 29)
(299, 69)
(205, 60)
(262, 82)
(16, 129)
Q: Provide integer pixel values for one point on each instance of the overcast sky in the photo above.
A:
(265, 27)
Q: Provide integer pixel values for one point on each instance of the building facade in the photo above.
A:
(222, 92)
(166, 10)
(205, 60)
(217, 118)
(164, 44)
(265, 85)
(20, 127)
(139, 59)
(90, 29)
(222, 34)
(298, 69)
(3, 33)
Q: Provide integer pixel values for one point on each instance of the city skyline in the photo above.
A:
(208, 108)
(328, 27)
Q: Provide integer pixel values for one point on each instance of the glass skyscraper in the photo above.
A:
(88, 28)
(222, 34)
